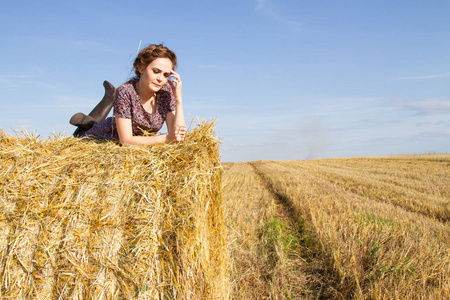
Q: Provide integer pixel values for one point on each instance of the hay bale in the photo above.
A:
(88, 220)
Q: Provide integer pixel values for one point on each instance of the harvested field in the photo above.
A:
(356, 228)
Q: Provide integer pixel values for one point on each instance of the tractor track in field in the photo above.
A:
(286, 204)
(320, 284)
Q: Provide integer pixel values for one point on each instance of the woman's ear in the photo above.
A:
(140, 70)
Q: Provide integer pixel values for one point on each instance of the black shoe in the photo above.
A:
(83, 121)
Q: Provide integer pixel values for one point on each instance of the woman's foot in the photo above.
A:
(83, 121)
(101, 111)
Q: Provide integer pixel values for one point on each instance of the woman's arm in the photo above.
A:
(176, 125)
(125, 131)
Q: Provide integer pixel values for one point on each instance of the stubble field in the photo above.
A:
(357, 228)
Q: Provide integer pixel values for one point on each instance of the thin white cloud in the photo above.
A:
(55, 102)
(44, 85)
(12, 87)
(210, 67)
(42, 106)
(10, 81)
(8, 78)
(432, 105)
(425, 77)
(262, 4)
(14, 82)
(267, 7)
(74, 44)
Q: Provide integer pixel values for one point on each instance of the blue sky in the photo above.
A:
(285, 79)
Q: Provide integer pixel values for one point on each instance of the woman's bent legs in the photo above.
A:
(98, 114)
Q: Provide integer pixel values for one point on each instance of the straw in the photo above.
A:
(94, 220)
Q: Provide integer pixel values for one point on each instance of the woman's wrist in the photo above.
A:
(168, 137)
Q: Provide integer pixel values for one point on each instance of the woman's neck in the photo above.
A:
(144, 92)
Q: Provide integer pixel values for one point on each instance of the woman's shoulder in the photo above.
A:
(128, 87)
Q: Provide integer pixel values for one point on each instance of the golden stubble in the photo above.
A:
(381, 223)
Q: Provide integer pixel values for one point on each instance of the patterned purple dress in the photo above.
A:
(128, 105)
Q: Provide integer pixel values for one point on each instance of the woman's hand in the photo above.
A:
(177, 134)
(175, 84)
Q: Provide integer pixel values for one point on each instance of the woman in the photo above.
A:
(144, 103)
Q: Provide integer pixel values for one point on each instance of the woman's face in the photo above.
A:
(155, 76)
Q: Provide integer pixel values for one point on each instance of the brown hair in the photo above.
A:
(149, 54)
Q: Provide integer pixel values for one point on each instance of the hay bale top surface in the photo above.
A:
(199, 142)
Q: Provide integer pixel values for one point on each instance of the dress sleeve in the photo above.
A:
(169, 98)
(172, 104)
(122, 104)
